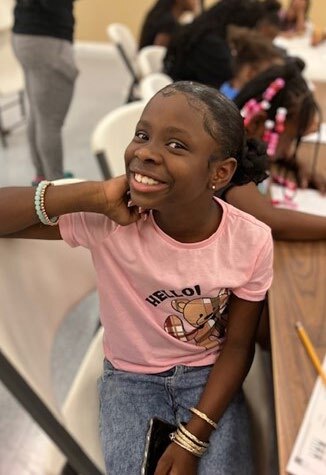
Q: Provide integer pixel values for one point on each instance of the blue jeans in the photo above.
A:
(129, 400)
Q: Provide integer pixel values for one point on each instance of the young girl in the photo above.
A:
(301, 117)
(181, 276)
(252, 53)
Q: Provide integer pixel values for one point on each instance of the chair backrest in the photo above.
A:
(150, 59)
(123, 39)
(40, 281)
(152, 83)
(112, 135)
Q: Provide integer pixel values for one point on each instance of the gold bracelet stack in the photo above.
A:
(189, 441)
(203, 416)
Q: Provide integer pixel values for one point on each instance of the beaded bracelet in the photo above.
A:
(203, 416)
(39, 202)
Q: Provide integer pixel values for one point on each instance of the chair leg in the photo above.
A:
(22, 103)
(3, 133)
(68, 470)
(103, 164)
(131, 96)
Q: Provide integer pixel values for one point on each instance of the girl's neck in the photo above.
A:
(193, 225)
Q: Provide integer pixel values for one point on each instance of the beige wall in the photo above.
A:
(317, 11)
(93, 16)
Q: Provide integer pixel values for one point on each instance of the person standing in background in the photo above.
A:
(43, 43)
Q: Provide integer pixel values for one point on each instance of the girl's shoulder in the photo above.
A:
(241, 222)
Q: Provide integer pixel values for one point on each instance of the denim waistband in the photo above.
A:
(169, 372)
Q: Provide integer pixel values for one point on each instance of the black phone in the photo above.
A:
(157, 440)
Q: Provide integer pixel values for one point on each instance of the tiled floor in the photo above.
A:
(102, 85)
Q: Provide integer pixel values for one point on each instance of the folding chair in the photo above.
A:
(123, 39)
(40, 281)
(150, 59)
(112, 135)
(152, 83)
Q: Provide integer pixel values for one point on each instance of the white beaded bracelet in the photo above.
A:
(40, 204)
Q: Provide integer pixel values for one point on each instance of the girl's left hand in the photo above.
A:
(177, 461)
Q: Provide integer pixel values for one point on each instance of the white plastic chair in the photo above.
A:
(11, 77)
(112, 135)
(150, 59)
(152, 83)
(126, 44)
(40, 281)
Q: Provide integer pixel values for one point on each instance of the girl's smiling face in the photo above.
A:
(168, 160)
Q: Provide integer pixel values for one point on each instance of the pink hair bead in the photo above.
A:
(272, 144)
(269, 125)
(247, 107)
(280, 118)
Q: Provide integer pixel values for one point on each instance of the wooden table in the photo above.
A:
(298, 293)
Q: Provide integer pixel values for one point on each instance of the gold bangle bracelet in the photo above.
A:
(182, 438)
(191, 436)
(188, 448)
(203, 416)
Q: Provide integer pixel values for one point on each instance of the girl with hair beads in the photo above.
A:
(279, 109)
(180, 291)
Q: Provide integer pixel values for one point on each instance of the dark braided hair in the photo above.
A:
(215, 20)
(161, 7)
(250, 47)
(295, 96)
(223, 122)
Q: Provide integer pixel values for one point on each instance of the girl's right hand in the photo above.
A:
(116, 197)
(177, 461)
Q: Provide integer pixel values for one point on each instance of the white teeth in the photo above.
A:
(146, 180)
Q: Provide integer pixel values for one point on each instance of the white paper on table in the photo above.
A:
(308, 456)
(307, 201)
(316, 136)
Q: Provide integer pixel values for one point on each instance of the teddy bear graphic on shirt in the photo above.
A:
(203, 320)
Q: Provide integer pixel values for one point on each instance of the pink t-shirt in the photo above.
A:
(162, 302)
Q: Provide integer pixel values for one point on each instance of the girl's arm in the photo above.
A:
(19, 219)
(226, 378)
(286, 224)
(231, 367)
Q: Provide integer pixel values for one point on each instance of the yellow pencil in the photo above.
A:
(310, 350)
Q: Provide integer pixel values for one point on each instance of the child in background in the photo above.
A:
(181, 290)
(301, 117)
(252, 53)
(162, 21)
(294, 18)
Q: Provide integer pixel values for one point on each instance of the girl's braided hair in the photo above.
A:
(216, 20)
(223, 122)
(161, 7)
(295, 96)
